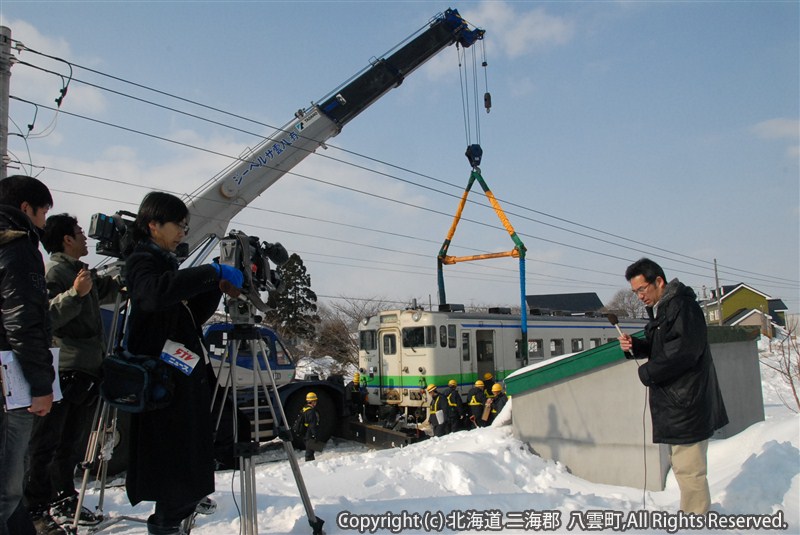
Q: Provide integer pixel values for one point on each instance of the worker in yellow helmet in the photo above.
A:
(476, 399)
(436, 411)
(311, 424)
(498, 401)
(355, 394)
(455, 406)
(488, 383)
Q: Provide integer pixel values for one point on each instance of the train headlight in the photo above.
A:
(365, 321)
(416, 315)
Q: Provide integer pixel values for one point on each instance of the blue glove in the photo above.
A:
(230, 274)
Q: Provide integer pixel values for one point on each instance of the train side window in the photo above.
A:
(368, 340)
(430, 336)
(536, 348)
(451, 336)
(577, 345)
(556, 347)
(595, 342)
(443, 336)
(389, 344)
(465, 347)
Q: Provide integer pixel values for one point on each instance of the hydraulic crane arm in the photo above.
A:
(247, 178)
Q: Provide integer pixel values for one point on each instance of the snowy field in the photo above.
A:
(486, 481)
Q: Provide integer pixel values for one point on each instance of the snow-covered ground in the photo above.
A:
(485, 480)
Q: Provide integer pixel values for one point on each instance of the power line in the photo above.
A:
(771, 279)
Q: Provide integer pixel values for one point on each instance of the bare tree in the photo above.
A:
(787, 363)
(626, 304)
(337, 331)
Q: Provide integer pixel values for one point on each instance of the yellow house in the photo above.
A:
(743, 305)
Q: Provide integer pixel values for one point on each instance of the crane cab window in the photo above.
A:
(282, 356)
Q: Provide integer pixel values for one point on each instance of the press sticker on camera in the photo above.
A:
(180, 357)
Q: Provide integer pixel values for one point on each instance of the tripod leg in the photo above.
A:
(283, 424)
(96, 441)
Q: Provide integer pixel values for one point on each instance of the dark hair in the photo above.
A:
(159, 207)
(56, 227)
(17, 189)
(647, 268)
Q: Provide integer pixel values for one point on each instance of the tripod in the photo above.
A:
(247, 334)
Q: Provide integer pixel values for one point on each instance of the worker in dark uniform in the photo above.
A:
(488, 383)
(455, 407)
(437, 403)
(355, 394)
(498, 402)
(311, 424)
(476, 399)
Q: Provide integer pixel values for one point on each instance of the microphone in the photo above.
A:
(614, 320)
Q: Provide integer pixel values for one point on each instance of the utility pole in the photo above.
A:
(719, 295)
(5, 83)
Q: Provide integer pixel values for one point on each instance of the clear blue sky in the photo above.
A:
(618, 130)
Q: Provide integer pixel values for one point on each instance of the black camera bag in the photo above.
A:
(136, 383)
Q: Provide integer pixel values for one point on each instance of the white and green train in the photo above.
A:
(401, 351)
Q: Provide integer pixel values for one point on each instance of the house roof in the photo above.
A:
(575, 302)
(729, 289)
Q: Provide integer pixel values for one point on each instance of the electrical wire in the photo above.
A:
(544, 223)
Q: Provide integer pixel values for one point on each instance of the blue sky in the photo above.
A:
(618, 130)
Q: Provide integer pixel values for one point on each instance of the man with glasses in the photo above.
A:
(686, 404)
(58, 439)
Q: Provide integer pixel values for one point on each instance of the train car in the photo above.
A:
(401, 351)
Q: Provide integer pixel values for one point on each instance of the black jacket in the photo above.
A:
(311, 422)
(23, 300)
(685, 400)
(172, 454)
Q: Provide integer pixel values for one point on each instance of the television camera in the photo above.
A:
(252, 257)
(113, 233)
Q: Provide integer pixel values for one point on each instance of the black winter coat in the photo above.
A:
(685, 400)
(172, 453)
(24, 323)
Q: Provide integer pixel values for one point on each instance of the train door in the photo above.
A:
(467, 360)
(485, 346)
(389, 366)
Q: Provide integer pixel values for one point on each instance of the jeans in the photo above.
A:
(15, 432)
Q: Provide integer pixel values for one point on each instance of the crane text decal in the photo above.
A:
(270, 153)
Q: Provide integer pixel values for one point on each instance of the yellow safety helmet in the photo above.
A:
(431, 387)
(497, 387)
(487, 376)
(356, 377)
(311, 396)
(452, 382)
(479, 383)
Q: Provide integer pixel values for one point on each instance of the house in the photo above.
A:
(575, 304)
(743, 305)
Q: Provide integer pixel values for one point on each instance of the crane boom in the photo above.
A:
(244, 180)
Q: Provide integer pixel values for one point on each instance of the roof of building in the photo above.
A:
(568, 303)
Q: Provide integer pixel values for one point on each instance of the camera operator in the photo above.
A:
(75, 298)
(172, 453)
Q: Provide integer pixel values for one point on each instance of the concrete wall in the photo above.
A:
(597, 422)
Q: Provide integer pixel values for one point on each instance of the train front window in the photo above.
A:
(368, 340)
(419, 336)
